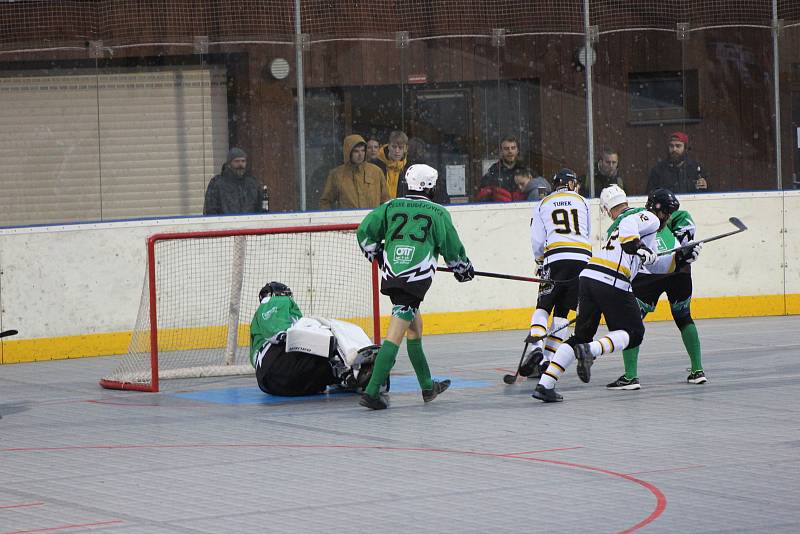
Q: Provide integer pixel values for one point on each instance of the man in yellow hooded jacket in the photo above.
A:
(356, 183)
(393, 158)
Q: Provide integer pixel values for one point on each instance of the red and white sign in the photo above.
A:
(417, 78)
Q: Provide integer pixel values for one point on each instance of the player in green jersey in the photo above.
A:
(648, 287)
(276, 312)
(406, 236)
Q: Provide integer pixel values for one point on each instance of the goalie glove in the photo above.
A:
(464, 272)
(647, 256)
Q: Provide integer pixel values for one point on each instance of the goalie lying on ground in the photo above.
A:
(295, 355)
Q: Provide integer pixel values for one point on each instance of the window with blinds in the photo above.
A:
(110, 145)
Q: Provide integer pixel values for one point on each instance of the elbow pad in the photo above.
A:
(631, 246)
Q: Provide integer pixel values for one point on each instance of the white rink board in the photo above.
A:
(87, 279)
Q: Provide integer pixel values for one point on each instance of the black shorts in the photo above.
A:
(649, 287)
(563, 297)
(619, 307)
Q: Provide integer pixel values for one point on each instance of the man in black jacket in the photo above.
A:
(678, 173)
(606, 173)
(233, 190)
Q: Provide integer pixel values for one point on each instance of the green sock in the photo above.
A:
(417, 357)
(631, 359)
(383, 366)
(692, 343)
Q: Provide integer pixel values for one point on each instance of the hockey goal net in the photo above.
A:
(201, 290)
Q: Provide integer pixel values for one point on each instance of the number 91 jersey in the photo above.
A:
(560, 228)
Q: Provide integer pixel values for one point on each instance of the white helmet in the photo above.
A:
(420, 177)
(611, 197)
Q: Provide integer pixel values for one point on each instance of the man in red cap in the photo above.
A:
(678, 173)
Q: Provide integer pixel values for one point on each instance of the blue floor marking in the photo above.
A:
(253, 395)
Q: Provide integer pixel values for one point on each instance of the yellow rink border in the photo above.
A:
(66, 347)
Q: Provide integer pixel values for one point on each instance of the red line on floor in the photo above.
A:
(661, 500)
(23, 505)
(65, 527)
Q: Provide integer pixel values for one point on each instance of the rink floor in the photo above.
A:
(484, 457)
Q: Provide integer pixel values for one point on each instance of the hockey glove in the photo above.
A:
(688, 255)
(647, 256)
(464, 272)
(375, 255)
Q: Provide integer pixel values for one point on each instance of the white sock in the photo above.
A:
(556, 339)
(558, 365)
(612, 342)
(539, 320)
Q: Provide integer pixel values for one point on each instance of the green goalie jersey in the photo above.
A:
(409, 233)
(274, 315)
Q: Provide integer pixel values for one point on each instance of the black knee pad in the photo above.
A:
(571, 341)
(683, 320)
(636, 336)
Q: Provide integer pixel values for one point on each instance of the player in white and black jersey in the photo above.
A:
(560, 230)
(605, 289)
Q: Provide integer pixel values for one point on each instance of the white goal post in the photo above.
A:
(201, 291)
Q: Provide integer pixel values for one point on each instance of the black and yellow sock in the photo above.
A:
(692, 343)
(383, 366)
(420, 363)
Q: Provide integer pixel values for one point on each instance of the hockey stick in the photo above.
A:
(503, 276)
(510, 379)
(740, 227)
(6, 333)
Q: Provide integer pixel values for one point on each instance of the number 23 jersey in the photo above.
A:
(560, 228)
(413, 232)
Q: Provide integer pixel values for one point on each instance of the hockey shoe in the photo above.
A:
(546, 395)
(585, 361)
(624, 383)
(438, 387)
(697, 377)
(531, 362)
(381, 402)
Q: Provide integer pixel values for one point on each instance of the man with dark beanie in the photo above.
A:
(233, 190)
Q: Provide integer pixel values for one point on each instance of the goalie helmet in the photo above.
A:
(563, 177)
(662, 200)
(274, 289)
(611, 197)
(420, 177)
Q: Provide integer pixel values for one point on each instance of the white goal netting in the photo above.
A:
(205, 289)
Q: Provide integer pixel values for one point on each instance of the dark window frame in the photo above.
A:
(663, 97)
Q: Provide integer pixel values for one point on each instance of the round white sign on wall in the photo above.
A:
(279, 68)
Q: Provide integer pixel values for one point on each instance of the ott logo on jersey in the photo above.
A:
(403, 255)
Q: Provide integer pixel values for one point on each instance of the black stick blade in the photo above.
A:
(738, 223)
(6, 333)
(509, 379)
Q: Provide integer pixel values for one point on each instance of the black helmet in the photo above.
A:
(563, 177)
(663, 200)
(274, 289)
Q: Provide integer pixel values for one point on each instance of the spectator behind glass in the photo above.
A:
(392, 160)
(678, 173)
(606, 173)
(233, 191)
(498, 182)
(356, 183)
(528, 187)
(418, 153)
(373, 148)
